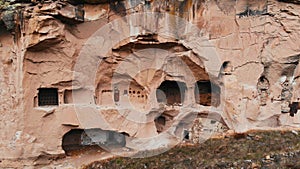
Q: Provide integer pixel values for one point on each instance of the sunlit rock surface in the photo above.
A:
(145, 73)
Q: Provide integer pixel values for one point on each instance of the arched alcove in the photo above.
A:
(78, 140)
(226, 68)
(71, 141)
(171, 92)
(207, 93)
(263, 90)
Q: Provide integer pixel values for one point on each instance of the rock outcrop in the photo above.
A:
(146, 73)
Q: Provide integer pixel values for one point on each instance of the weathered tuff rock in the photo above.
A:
(197, 67)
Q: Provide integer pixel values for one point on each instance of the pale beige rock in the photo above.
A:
(54, 47)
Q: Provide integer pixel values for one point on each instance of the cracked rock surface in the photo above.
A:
(143, 69)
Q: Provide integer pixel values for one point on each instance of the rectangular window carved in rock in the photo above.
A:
(47, 97)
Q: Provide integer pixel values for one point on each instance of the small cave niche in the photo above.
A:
(160, 123)
(207, 93)
(294, 107)
(263, 90)
(116, 94)
(226, 68)
(147, 2)
(77, 141)
(186, 134)
(171, 92)
(68, 96)
(291, 108)
(165, 120)
(286, 96)
(47, 96)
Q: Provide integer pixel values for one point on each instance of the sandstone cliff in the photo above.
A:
(145, 72)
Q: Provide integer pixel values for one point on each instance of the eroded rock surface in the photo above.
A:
(154, 72)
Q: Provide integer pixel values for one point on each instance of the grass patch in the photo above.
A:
(262, 149)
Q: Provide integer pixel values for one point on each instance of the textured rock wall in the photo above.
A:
(247, 48)
(11, 94)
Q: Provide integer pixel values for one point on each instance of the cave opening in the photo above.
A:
(71, 142)
(171, 92)
(160, 123)
(226, 68)
(207, 93)
(186, 134)
(294, 107)
(78, 140)
(263, 90)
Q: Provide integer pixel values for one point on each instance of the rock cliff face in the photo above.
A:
(143, 74)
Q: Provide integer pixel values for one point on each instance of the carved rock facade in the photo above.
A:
(147, 69)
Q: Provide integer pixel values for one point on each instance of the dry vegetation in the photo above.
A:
(271, 149)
